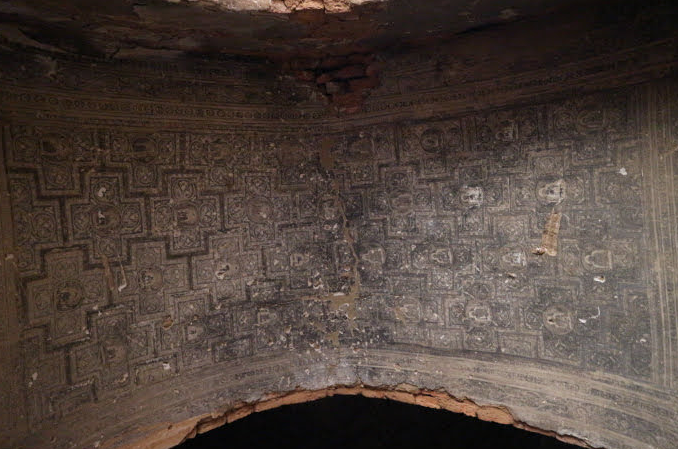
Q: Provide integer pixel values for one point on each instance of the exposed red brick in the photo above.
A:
(373, 69)
(304, 75)
(360, 58)
(334, 87)
(363, 83)
(333, 62)
(324, 78)
(350, 71)
(349, 103)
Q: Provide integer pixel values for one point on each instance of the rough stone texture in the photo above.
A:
(284, 29)
(409, 394)
(119, 28)
(184, 243)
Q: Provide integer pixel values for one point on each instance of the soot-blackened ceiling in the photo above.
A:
(487, 225)
(244, 27)
(277, 29)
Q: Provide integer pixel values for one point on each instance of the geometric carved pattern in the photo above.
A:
(150, 278)
(143, 156)
(467, 278)
(147, 257)
(226, 270)
(185, 215)
(444, 237)
(37, 223)
(104, 220)
(63, 299)
(61, 155)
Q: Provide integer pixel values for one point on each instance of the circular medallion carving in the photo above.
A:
(106, 218)
(259, 210)
(68, 295)
(144, 149)
(432, 141)
(150, 279)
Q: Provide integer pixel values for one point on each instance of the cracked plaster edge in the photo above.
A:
(283, 6)
(167, 435)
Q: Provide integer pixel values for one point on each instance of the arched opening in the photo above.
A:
(357, 416)
(360, 422)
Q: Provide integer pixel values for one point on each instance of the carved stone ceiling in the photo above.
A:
(190, 232)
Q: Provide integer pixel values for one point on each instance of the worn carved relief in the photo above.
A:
(522, 255)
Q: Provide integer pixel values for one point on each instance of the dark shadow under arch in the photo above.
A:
(356, 421)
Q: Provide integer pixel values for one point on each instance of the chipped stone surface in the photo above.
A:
(187, 242)
(120, 29)
(403, 393)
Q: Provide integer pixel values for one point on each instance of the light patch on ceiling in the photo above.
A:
(284, 6)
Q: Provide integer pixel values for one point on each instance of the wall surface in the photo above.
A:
(182, 240)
